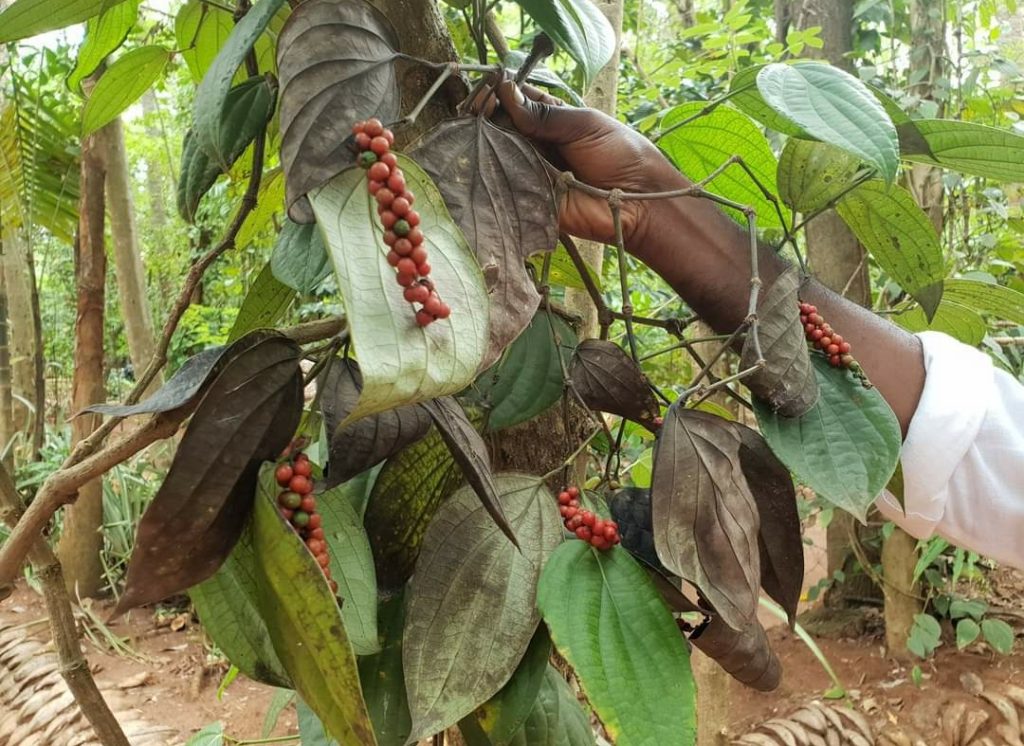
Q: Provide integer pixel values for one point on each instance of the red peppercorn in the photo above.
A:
(423, 318)
(599, 543)
(390, 238)
(300, 484)
(418, 254)
(303, 467)
(405, 279)
(381, 172)
(315, 520)
(413, 217)
(373, 127)
(316, 533)
(817, 334)
(388, 220)
(583, 532)
(362, 140)
(423, 269)
(432, 305)
(283, 474)
(315, 545)
(380, 145)
(323, 560)
(393, 258)
(401, 206)
(390, 159)
(844, 348)
(444, 311)
(564, 498)
(832, 349)
(396, 182)
(385, 198)
(415, 236)
(308, 504)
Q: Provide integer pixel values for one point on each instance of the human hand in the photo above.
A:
(599, 151)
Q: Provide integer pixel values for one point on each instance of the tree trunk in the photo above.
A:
(21, 328)
(6, 402)
(82, 539)
(39, 363)
(131, 277)
(899, 551)
(833, 253)
(154, 169)
(603, 95)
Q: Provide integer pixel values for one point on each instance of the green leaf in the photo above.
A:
(352, 568)
(998, 634)
(745, 96)
(458, 659)
(703, 145)
(402, 363)
(200, 31)
(846, 448)
(262, 221)
(962, 607)
(300, 259)
(997, 300)
(562, 271)
(833, 106)
(249, 106)
(382, 678)
(227, 607)
(209, 105)
(611, 625)
(26, 18)
(122, 84)
(303, 617)
(282, 698)
(528, 379)
(577, 26)
(506, 712)
(950, 318)
(967, 631)
(967, 147)
(264, 305)
(813, 174)
(104, 34)
(311, 730)
(900, 237)
(926, 628)
(210, 735)
(557, 718)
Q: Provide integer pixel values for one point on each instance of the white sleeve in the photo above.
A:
(963, 457)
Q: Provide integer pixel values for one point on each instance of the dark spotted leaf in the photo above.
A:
(705, 518)
(458, 653)
(228, 608)
(528, 379)
(409, 489)
(300, 258)
(779, 540)
(247, 416)
(382, 680)
(499, 193)
(846, 448)
(186, 383)
(247, 109)
(470, 453)
(609, 381)
(745, 654)
(305, 623)
(505, 713)
(609, 622)
(210, 105)
(811, 175)
(786, 381)
(263, 306)
(358, 445)
(336, 62)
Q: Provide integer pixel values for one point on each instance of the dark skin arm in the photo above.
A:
(701, 253)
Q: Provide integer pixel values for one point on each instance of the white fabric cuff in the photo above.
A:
(957, 392)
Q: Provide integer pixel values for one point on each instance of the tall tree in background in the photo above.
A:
(131, 277)
(81, 541)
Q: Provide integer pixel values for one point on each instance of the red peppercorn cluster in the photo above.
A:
(599, 533)
(298, 506)
(821, 335)
(401, 223)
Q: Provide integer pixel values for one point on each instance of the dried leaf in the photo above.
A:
(705, 518)
(357, 446)
(609, 381)
(779, 541)
(336, 63)
(499, 193)
(787, 381)
(745, 654)
(470, 453)
(247, 416)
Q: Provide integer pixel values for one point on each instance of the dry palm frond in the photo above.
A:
(36, 708)
(815, 724)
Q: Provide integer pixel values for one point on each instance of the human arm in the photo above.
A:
(699, 251)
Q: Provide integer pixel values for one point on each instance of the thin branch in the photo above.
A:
(615, 203)
(710, 107)
(73, 666)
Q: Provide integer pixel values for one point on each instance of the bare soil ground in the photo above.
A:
(172, 677)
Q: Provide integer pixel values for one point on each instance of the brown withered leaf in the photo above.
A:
(704, 516)
(745, 654)
(470, 453)
(247, 416)
(779, 541)
(369, 440)
(499, 193)
(787, 382)
(336, 61)
(608, 380)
